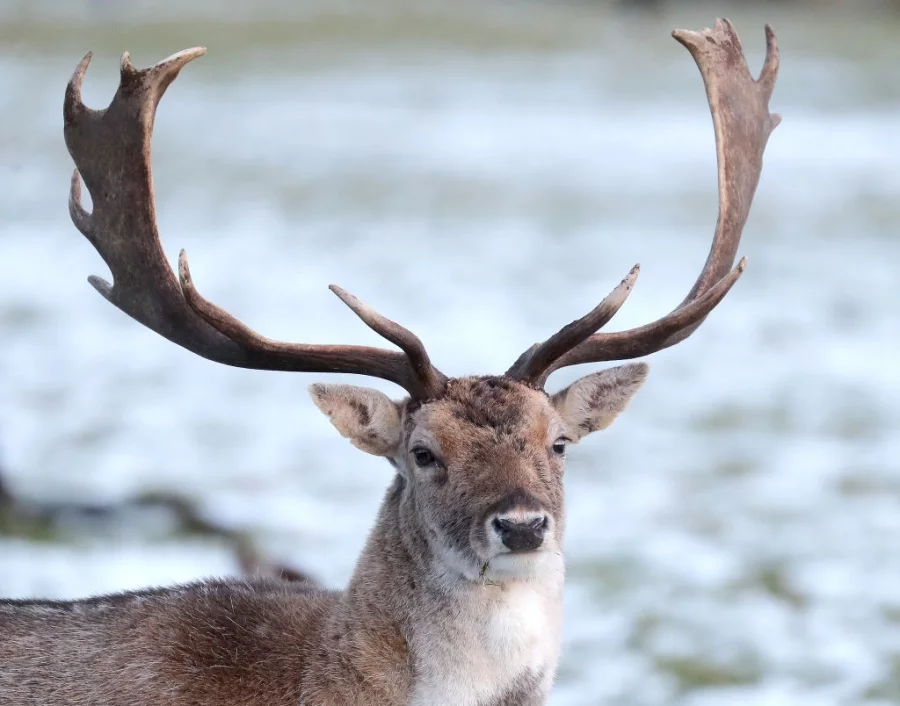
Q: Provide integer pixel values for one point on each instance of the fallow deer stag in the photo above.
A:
(457, 596)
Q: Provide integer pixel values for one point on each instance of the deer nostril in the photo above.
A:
(540, 523)
(503, 526)
(521, 536)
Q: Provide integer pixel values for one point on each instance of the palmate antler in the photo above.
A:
(111, 149)
(740, 111)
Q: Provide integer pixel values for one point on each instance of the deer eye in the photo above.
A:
(559, 446)
(423, 456)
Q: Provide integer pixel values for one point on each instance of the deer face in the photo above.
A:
(482, 465)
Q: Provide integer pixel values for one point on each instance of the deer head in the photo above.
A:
(481, 465)
(479, 460)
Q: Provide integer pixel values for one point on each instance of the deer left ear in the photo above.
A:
(367, 417)
(593, 402)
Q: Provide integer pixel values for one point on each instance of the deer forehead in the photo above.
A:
(489, 411)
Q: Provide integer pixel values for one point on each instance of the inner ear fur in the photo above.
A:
(594, 401)
(369, 418)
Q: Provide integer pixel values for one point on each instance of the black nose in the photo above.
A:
(521, 536)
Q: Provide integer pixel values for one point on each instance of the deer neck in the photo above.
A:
(459, 641)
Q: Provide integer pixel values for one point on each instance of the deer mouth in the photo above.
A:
(522, 565)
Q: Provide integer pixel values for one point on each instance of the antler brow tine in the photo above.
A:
(531, 365)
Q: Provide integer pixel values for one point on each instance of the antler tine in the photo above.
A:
(635, 342)
(742, 124)
(537, 359)
(432, 379)
(111, 149)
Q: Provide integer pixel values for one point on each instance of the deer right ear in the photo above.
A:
(593, 402)
(367, 417)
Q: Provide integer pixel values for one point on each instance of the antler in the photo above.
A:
(111, 149)
(740, 111)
